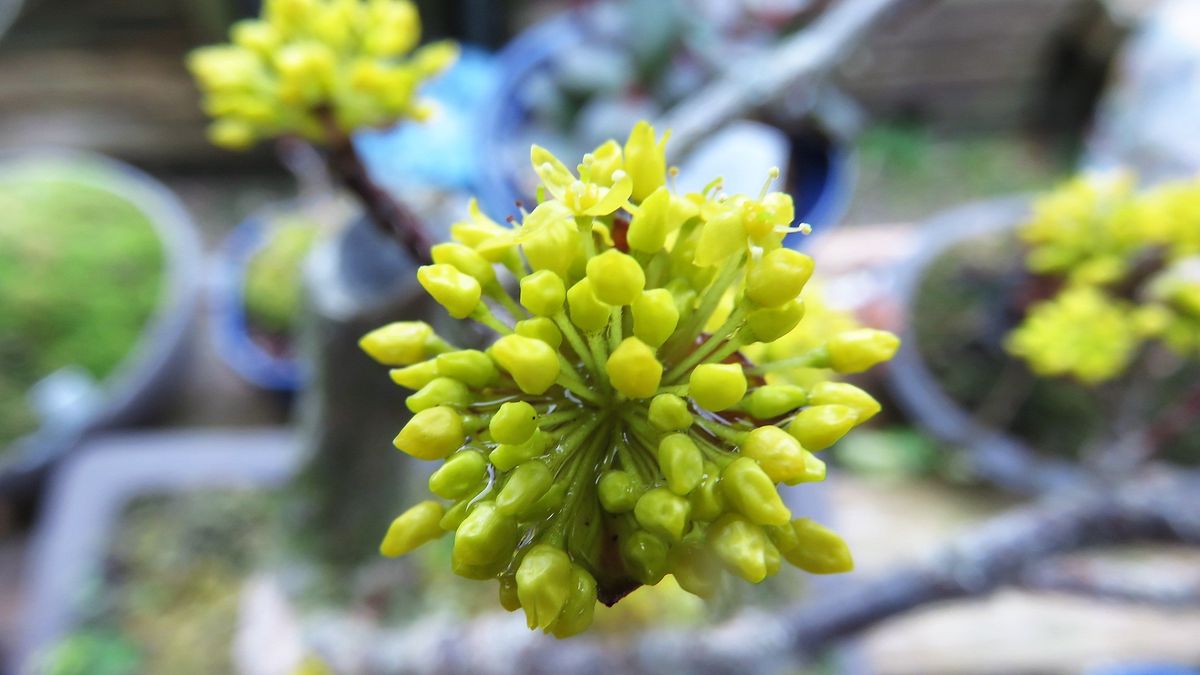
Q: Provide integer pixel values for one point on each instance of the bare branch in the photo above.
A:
(1088, 579)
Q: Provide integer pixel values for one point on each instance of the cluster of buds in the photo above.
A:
(314, 68)
(1129, 263)
(615, 432)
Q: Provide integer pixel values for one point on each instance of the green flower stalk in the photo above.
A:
(615, 431)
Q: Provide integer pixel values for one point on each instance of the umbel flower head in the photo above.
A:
(316, 67)
(606, 438)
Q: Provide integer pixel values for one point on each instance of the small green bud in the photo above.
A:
(509, 599)
(467, 365)
(857, 350)
(840, 393)
(466, 260)
(695, 568)
(815, 548)
(506, 456)
(460, 476)
(819, 426)
(645, 160)
(544, 583)
(440, 391)
(681, 463)
(540, 328)
(532, 363)
(778, 278)
(485, 537)
(744, 548)
(618, 491)
(633, 369)
(649, 227)
(548, 503)
(587, 311)
(459, 293)
(525, 485)
(616, 278)
(773, 400)
(433, 433)
(413, 528)
(708, 499)
(415, 376)
(402, 343)
(781, 456)
(669, 412)
(771, 323)
(752, 492)
(663, 513)
(576, 615)
(543, 293)
(455, 515)
(645, 557)
(513, 423)
(717, 386)
(655, 316)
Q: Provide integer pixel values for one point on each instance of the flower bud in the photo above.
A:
(695, 568)
(773, 400)
(533, 364)
(717, 386)
(506, 456)
(513, 423)
(618, 491)
(781, 456)
(402, 343)
(544, 582)
(743, 547)
(587, 311)
(413, 528)
(415, 376)
(543, 293)
(602, 163)
(509, 599)
(771, 323)
(820, 426)
(464, 259)
(645, 160)
(540, 328)
(431, 434)
(815, 548)
(455, 515)
(857, 350)
(440, 391)
(752, 492)
(840, 393)
(633, 369)
(655, 316)
(708, 499)
(485, 537)
(467, 365)
(576, 614)
(650, 225)
(548, 503)
(778, 278)
(681, 463)
(525, 485)
(616, 278)
(663, 513)
(459, 293)
(669, 412)
(723, 235)
(645, 557)
(460, 476)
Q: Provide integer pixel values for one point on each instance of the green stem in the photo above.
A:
(483, 314)
(720, 338)
(573, 338)
(686, 335)
(814, 358)
(497, 292)
(615, 329)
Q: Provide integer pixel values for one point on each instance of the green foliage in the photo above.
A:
(81, 273)
(273, 291)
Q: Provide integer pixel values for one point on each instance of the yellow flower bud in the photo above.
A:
(820, 426)
(466, 260)
(485, 536)
(778, 278)
(618, 491)
(773, 400)
(815, 548)
(459, 293)
(257, 36)
(681, 463)
(533, 364)
(722, 236)
(431, 434)
(507, 455)
(232, 134)
(543, 293)
(840, 393)
(708, 499)
(467, 365)
(402, 343)
(633, 369)
(525, 485)
(540, 328)
(549, 238)
(460, 476)
(668, 412)
(771, 323)
(663, 513)
(744, 548)
(440, 391)
(603, 162)
(415, 376)
(717, 386)
(695, 568)
(645, 557)
(544, 583)
(616, 278)
(645, 160)
(576, 615)
(413, 528)
(752, 492)
(781, 456)
(655, 316)
(513, 423)
(857, 350)
(587, 311)
(650, 225)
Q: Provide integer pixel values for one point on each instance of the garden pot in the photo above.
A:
(69, 402)
(820, 177)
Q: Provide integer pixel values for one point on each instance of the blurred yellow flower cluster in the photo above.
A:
(1130, 264)
(615, 433)
(314, 68)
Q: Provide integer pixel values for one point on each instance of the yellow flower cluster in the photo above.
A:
(317, 67)
(606, 439)
(1129, 261)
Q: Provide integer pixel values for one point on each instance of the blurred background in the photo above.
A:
(195, 459)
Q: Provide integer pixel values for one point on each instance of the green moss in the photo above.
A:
(273, 293)
(81, 273)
